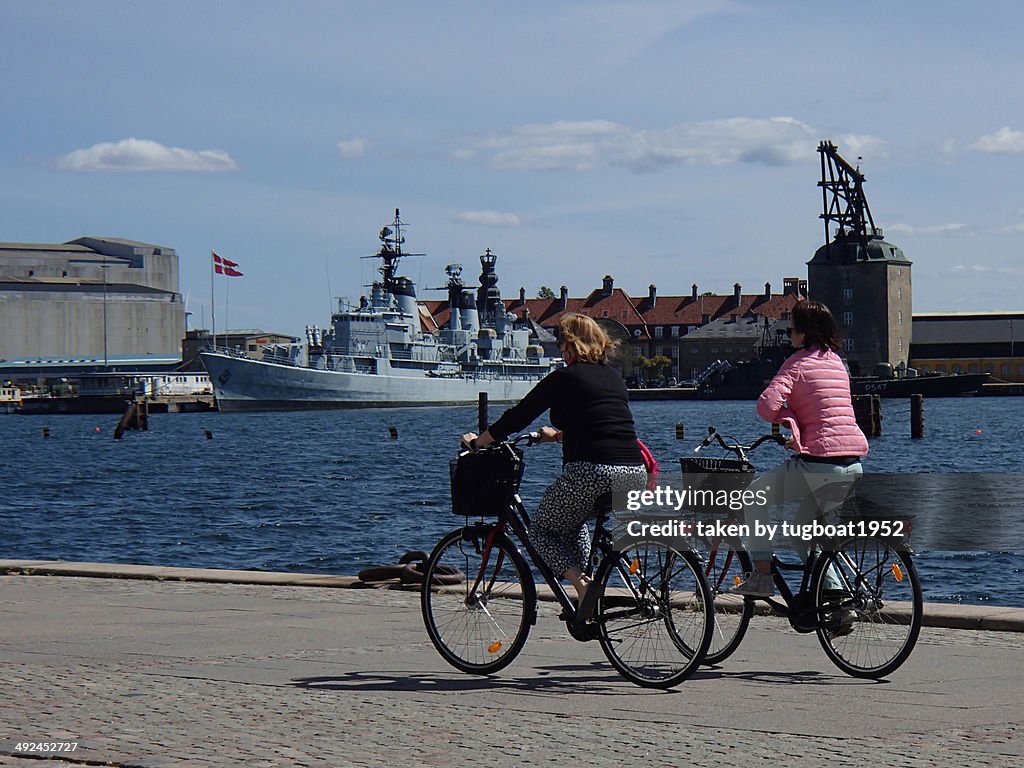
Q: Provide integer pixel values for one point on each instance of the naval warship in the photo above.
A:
(386, 352)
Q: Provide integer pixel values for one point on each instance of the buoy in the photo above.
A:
(95, 429)
(46, 432)
(977, 431)
(394, 432)
(209, 435)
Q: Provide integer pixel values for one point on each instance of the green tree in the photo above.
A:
(545, 293)
(653, 366)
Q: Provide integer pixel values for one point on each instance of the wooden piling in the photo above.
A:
(868, 410)
(481, 420)
(135, 417)
(917, 416)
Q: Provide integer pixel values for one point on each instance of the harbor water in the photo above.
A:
(333, 491)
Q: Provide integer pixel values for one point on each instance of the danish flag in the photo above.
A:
(224, 266)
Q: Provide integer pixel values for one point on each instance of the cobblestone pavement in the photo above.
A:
(146, 673)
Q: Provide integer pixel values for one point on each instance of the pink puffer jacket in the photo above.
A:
(811, 395)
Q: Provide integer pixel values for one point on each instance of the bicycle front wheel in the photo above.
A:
(725, 565)
(869, 600)
(481, 624)
(654, 615)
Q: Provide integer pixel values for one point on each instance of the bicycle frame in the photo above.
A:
(793, 605)
(516, 519)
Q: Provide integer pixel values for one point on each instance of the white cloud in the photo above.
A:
(488, 218)
(1010, 229)
(588, 145)
(934, 229)
(351, 149)
(982, 269)
(1005, 140)
(145, 155)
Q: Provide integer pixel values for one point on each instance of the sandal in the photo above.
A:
(588, 605)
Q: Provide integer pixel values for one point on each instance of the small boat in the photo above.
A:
(387, 351)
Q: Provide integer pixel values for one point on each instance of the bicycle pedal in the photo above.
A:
(584, 633)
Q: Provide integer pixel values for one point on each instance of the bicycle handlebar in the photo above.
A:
(530, 438)
(737, 448)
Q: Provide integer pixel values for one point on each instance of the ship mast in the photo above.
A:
(391, 251)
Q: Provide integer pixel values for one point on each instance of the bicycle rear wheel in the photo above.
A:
(724, 566)
(654, 616)
(873, 621)
(480, 625)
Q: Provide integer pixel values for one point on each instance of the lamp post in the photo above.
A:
(104, 268)
(1010, 321)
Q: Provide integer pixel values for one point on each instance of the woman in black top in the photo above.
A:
(600, 453)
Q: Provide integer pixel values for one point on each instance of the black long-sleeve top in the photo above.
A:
(589, 403)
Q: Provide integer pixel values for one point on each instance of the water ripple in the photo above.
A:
(331, 492)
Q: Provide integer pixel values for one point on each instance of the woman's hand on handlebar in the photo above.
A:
(549, 435)
(471, 441)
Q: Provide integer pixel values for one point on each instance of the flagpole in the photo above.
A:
(213, 306)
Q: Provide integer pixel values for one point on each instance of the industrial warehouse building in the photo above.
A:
(91, 298)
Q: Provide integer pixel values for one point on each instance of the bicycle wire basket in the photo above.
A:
(483, 482)
(704, 473)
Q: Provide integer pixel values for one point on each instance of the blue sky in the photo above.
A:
(664, 142)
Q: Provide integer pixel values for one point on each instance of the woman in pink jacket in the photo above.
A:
(811, 396)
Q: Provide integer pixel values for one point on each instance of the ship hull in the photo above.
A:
(927, 386)
(244, 384)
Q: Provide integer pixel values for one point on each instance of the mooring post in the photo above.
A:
(917, 416)
(481, 414)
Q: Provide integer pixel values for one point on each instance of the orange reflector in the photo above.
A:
(737, 580)
(634, 567)
(494, 647)
(897, 571)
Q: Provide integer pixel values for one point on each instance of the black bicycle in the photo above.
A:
(860, 593)
(653, 615)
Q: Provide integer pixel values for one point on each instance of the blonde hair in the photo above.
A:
(585, 338)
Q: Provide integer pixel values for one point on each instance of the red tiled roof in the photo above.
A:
(636, 312)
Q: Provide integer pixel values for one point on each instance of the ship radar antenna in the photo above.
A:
(454, 272)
